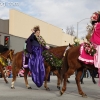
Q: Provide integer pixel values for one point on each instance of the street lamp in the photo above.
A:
(78, 23)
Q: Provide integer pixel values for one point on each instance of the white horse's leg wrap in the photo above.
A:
(12, 84)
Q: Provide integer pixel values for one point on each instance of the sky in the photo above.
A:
(60, 13)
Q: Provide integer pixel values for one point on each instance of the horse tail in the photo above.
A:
(64, 65)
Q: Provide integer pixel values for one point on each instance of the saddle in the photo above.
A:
(25, 58)
(87, 52)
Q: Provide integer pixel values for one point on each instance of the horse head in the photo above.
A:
(10, 54)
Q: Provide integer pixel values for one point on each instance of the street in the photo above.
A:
(22, 93)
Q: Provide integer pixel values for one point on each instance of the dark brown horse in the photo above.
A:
(5, 55)
(70, 65)
(93, 74)
(17, 65)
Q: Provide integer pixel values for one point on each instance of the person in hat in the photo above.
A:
(95, 39)
(35, 45)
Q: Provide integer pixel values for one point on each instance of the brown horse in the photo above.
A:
(17, 65)
(5, 55)
(71, 64)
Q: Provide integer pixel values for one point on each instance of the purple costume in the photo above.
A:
(36, 61)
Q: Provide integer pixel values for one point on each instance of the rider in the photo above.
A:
(35, 45)
(95, 38)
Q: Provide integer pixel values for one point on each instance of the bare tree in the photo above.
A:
(83, 38)
(70, 30)
(89, 29)
(67, 30)
(89, 32)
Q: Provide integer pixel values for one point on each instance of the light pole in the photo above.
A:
(78, 23)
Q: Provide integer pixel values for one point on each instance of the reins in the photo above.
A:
(6, 57)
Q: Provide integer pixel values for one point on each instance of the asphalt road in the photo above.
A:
(22, 93)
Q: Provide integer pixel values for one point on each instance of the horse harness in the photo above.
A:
(6, 57)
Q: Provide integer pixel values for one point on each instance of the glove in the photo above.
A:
(47, 46)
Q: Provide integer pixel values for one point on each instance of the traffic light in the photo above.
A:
(7, 41)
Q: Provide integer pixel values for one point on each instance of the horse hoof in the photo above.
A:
(82, 82)
(58, 87)
(29, 88)
(84, 96)
(61, 93)
(47, 89)
(95, 82)
(12, 87)
(7, 82)
(68, 81)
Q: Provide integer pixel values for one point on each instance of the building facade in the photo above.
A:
(18, 28)
(20, 24)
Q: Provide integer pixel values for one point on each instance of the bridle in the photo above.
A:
(9, 54)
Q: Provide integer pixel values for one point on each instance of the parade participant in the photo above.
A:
(95, 39)
(8, 61)
(34, 45)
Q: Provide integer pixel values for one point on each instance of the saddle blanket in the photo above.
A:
(25, 60)
(84, 57)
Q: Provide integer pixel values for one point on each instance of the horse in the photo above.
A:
(17, 64)
(72, 64)
(92, 73)
(4, 55)
(59, 53)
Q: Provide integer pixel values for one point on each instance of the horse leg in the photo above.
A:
(15, 71)
(93, 80)
(82, 78)
(58, 78)
(25, 78)
(66, 76)
(47, 71)
(3, 74)
(92, 75)
(78, 76)
(68, 81)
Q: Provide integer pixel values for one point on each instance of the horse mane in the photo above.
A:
(58, 51)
